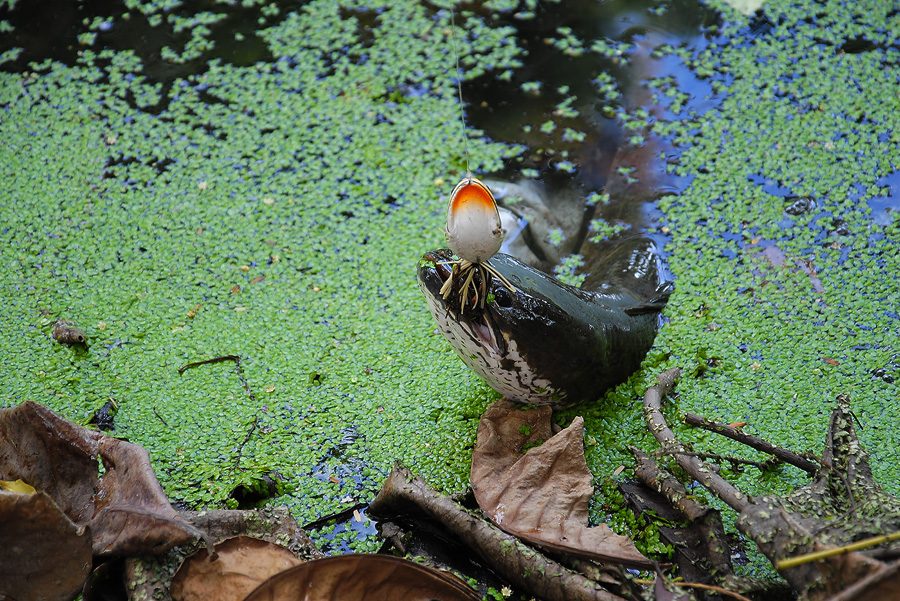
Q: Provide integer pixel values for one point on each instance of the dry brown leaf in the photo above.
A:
(541, 494)
(151, 577)
(363, 577)
(240, 564)
(44, 555)
(127, 511)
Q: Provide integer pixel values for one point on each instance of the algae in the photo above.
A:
(779, 305)
(273, 211)
(272, 201)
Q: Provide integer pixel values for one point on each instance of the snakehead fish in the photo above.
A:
(545, 342)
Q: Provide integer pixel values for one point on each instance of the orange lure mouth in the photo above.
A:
(474, 231)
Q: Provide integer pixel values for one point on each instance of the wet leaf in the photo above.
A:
(240, 564)
(358, 577)
(45, 555)
(133, 515)
(126, 509)
(541, 494)
(17, 486)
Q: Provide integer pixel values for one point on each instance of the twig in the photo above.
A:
(520, 565)
(707, 520)
(734, 461)
(340, 516)
(239, 451)
(193, 364)
(156, 413)
(692, 465)
(648, 472)
(791, 562)
(707, 587)
(755, 442)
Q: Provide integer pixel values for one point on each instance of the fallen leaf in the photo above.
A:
(358, 577)
(541, 494)
(240, 564)
(126, 509)
(45, 555)
(132, 514)
(148, 577)
(17, 486)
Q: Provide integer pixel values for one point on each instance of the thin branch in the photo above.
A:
(340, 516)
(692, 465)
(648, 472)
(156, 413)
(826, 553)
(810, 467)
(705, 519)
(193, 364)
(706, 587)
(239, 450)
(734, 461)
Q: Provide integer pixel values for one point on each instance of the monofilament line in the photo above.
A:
(462, 111)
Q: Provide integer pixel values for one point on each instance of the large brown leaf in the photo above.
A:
(239, 565)
(126, 509)
(363, 578)
(43, 555)
(541, 494)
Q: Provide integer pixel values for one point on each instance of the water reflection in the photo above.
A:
(595, 58)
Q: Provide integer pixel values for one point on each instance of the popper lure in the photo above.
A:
(474, 234)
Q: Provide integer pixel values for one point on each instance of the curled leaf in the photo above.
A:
(126, 509)
(541, 494)
(44, 555)
(239, 565)
(363, 577)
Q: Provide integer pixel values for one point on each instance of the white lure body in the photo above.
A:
(474, 230)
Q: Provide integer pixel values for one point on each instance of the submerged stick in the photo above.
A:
(697, 469)
(759, 444)
(517, 563)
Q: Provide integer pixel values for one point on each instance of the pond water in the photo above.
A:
(778, 186)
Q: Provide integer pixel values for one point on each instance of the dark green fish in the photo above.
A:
(546, 342)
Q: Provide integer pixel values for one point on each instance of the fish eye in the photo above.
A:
(502, 297)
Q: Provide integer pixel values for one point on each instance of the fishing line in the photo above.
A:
(462, 110)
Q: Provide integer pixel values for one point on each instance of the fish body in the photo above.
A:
(545, 342)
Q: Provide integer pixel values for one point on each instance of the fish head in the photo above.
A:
(523, 336)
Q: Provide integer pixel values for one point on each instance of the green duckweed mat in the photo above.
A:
(275, 209)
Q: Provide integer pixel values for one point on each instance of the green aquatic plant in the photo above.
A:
(265, 205)
(264, 211)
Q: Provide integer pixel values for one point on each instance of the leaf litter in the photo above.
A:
(541, 493)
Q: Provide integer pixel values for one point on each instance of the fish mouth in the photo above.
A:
(435, 268)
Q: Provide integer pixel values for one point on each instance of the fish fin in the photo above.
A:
(655, 304)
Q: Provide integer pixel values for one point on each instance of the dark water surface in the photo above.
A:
(589, 148)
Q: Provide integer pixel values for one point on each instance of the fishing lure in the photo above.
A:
(474, 234)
